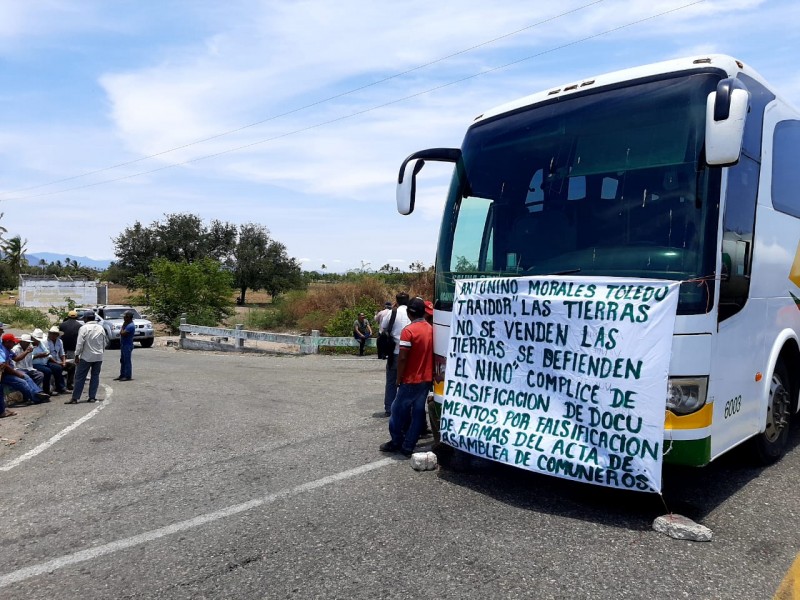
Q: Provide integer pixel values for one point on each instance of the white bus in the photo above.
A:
(686, 170)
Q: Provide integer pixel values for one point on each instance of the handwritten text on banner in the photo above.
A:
(565, 376)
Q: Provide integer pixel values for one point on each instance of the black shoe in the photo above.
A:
(92, 400)
(405, 452)
(73, 401)
(389, 446)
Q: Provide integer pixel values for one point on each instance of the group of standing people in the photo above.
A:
(40, 365)
(89, 350)
(409, 371)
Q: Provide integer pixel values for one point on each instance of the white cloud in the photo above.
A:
(245, 61)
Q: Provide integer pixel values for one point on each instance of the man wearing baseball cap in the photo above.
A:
(4, 411)
(16, 379)
(414, 378)
(70, 327)
(88, 357)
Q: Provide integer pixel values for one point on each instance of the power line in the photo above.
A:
(305, 107)
(360, 112)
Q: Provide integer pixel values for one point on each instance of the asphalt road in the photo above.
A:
(223, 476)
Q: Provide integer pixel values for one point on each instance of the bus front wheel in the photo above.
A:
(771, 444)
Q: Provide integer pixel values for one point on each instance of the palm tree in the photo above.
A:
(14, 249)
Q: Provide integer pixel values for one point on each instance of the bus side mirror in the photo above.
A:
(726, 113)
(407, 186)
(407, 179)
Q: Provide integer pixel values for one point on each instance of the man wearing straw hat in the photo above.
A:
(42, 361)
(57, 360)
(23, 357)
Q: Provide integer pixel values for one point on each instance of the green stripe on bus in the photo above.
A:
(692, 453)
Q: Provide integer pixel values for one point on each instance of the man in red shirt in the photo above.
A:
(414, 377)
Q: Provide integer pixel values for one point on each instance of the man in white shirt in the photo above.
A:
(23, 356)
(387, 309)
(401, 320)
(88, 356)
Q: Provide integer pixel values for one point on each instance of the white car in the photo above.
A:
(111, 318)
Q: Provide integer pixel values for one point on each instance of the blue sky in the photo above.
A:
(86, 86)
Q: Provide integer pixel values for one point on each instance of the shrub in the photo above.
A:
(200, 289)
(23, 318)
(332, 307)
(341, 325)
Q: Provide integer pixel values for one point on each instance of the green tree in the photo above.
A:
(114, 274)
(7, 279)
(259, 262)
(179, 237)
(14, 250)
(201, 289)
(387, 268)
(136, 248)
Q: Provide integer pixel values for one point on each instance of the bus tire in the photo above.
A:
(770, 445)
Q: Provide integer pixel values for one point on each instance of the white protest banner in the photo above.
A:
(565, 376)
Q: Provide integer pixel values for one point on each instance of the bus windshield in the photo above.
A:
(604, 184)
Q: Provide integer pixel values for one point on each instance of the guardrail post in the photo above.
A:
(309, 346)
(239, 336)
(183, 322)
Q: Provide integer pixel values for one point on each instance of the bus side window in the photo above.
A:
(785, 174)
(738, 223)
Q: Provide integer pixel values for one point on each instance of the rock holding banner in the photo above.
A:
(565, 376)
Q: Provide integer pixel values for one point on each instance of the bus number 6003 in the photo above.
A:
(733, 406)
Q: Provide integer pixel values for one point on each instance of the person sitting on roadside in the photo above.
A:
(39, 360)
(362, 332)
(57, 360)
(23, 357)
(42, 361)
(16, 379)
(4, 410)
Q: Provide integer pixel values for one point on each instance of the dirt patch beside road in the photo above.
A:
(13, 429)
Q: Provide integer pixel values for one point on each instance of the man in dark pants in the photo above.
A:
(361, 332)
(414, 378)
(401, 320)
(70, 327)
(126, 336)
(88, 357)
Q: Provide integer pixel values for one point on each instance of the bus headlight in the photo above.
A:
(686, 394)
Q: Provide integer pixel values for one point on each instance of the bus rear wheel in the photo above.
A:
(771, 444)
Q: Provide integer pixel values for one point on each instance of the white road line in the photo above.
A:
(45, 445)
(149, 536)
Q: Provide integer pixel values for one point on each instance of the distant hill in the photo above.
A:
(33, 259)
